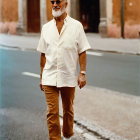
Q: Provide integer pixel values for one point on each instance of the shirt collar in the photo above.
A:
(65, 20)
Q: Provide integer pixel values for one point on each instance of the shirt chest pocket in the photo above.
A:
(69, 43)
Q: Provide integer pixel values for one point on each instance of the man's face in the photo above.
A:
(58, 4)
(58, 7)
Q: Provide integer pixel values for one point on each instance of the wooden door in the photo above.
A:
(90, 15)
(33, 16)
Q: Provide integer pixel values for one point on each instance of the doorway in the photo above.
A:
(33, 16)
(90, 15)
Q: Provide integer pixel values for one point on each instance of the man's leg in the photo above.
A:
(67, 95)
(52, 99)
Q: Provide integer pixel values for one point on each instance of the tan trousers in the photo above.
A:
(53, 122)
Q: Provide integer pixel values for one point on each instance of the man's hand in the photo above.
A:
(81, 80)
(42, 64)
(41, 87)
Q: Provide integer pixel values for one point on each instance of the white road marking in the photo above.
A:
(94, 53)
(31, 74)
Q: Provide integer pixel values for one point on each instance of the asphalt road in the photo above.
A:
(22, 104)
(117, 72)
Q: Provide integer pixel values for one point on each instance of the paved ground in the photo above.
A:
(22, 104)
(114, 115)
(130, 46)
(108, 113)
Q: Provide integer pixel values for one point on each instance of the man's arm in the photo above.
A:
(82, 76)
(42, 64)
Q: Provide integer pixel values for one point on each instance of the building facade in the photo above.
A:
(97, 16)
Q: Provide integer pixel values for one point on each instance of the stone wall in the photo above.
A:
(132, 20)
(49, 11)
(9, 16)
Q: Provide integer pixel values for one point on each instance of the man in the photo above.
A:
(62, 42)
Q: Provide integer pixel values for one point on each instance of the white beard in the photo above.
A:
(58, 13)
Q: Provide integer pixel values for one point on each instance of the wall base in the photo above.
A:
(8, 27)
(103, 27)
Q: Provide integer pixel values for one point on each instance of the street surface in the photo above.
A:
(116, 72)
(22, 104)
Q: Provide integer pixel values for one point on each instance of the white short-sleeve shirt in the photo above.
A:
(62, 52)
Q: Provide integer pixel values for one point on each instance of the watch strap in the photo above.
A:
(83, 72)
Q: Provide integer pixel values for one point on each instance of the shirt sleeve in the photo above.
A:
(41, 45)
(83, 44)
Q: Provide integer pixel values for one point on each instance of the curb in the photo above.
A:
(17, 47)
(92, 50)
(96, 130)
(112, 51)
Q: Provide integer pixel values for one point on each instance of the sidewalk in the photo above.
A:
(110, 114)
(128, 46)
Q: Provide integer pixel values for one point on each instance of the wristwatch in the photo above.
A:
(83, 72)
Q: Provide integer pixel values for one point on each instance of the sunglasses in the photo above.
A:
(57, 2)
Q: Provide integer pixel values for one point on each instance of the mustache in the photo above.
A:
(57, 7)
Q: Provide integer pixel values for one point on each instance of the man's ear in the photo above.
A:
(66, 4)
